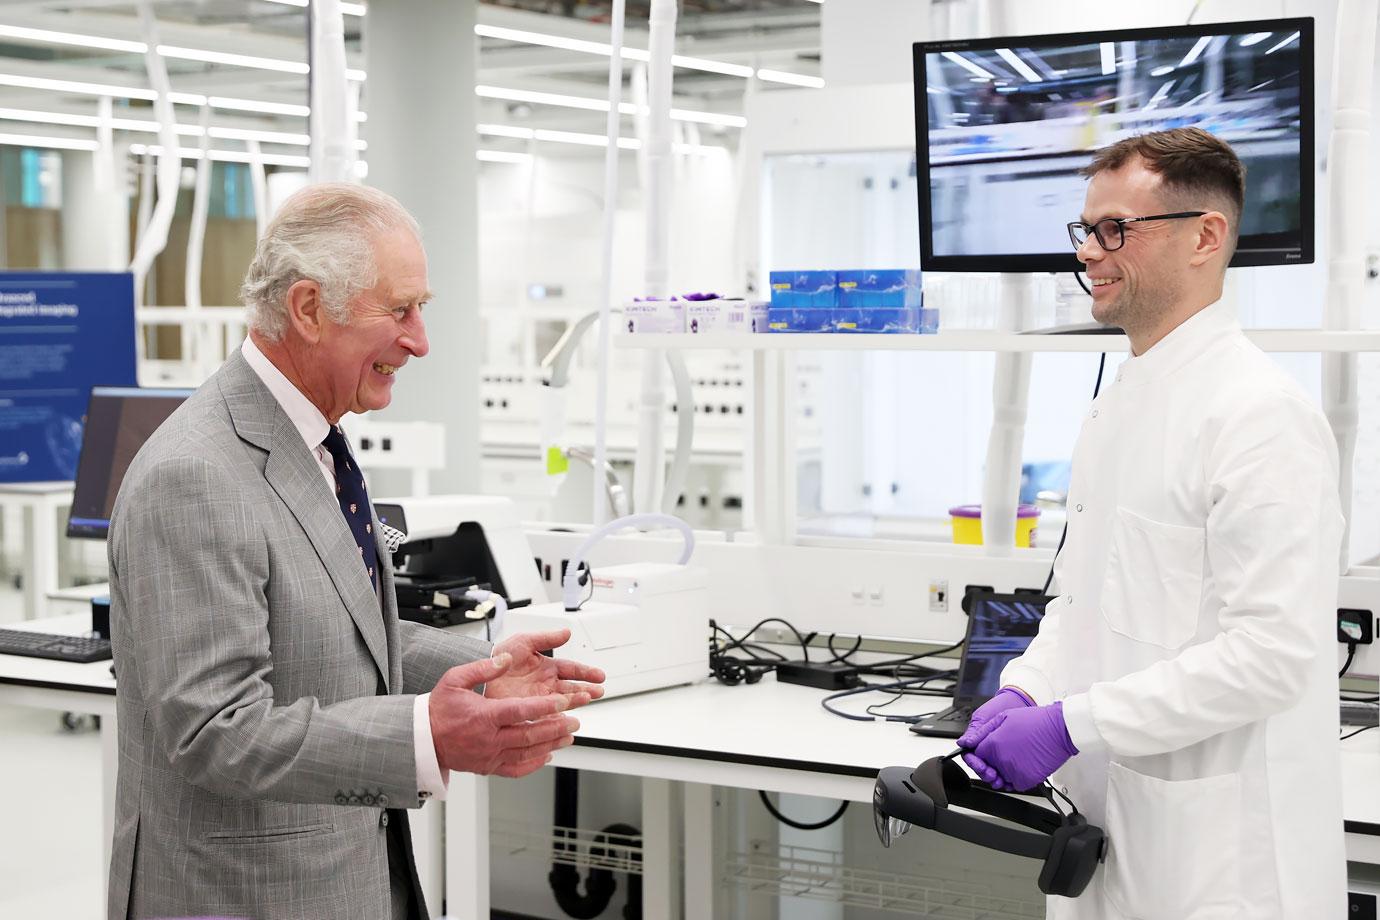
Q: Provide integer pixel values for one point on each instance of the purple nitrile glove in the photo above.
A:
(1005, 698)
(1024, 746)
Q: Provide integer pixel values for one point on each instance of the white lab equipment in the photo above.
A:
(643, 623)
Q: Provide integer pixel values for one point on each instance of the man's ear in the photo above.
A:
(1214, 235)
(305, 311)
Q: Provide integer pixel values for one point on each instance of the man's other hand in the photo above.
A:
(534, 673)
(503, 737)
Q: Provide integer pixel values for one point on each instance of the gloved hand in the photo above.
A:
(1005, 698)
(1022, 747)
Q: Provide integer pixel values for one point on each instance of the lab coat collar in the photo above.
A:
(1183, 343)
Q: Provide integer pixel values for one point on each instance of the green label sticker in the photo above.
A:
(556, 462)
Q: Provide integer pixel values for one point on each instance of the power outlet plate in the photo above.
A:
(939, 596)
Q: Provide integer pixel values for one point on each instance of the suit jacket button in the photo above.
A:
(355, 800)
(382, 800)
(383, 819)
(342, 800)
(369, 800)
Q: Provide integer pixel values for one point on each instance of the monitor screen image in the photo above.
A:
(1004, 125)
(1000, 627)
(118, 422)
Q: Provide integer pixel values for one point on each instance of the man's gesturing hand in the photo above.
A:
(506, 737)
(535, 673)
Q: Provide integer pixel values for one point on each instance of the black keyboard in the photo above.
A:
(59, 648)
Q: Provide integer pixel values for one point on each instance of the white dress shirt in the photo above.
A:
(312, 425)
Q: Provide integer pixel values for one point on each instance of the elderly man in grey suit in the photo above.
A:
(275, 717)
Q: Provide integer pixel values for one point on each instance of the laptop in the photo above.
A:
(1000, 627)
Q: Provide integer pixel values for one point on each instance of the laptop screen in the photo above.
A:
(1000, 626)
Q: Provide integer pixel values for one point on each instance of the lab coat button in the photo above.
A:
(1069, 599)
(383, 819)
(1078, 508)
(1094, 413)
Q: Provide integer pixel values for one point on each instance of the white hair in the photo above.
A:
(323, 233)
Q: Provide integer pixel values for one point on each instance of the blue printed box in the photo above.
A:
(813, 289)
(800, 319)
(883, 301)
(880, 288)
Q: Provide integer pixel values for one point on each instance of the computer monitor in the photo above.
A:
(1000, 628)
(118, 422)
(1004, 125)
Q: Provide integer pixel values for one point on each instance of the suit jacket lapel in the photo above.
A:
(293, 473)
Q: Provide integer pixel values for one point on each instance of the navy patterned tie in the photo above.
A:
(354, 503)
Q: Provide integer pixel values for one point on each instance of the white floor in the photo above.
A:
(50, 822)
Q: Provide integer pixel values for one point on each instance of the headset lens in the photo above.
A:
(888, 829)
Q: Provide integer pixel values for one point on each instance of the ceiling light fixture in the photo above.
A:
(52, 143)
(793, 79)
(602, 105)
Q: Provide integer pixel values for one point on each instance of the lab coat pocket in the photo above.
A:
(1174, 846)
(1154, 581)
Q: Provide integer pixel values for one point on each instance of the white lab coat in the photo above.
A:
(1192, 641)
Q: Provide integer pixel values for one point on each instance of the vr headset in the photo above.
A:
(1070, 847)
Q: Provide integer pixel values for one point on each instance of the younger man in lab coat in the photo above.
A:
(1183, 683)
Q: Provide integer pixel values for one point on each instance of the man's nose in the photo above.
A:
(416, 338)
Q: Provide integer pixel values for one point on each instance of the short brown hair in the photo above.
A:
(1192, 165)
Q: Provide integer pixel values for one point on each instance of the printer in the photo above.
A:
(456, 549)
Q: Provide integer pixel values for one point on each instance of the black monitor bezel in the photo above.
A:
(99, 531)
(1058, 262)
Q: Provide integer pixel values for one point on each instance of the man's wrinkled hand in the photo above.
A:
(501, 737)
(534, 673)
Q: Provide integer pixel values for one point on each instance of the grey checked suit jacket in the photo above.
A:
(262, 695)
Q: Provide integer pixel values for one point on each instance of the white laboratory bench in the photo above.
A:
(679, 742)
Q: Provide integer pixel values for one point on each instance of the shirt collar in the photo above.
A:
(1183, 343)
(303, 414)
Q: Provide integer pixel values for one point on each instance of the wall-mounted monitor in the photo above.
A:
(1003, 126)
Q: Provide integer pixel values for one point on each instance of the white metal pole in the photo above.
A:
(601, 399)
(1350, 167)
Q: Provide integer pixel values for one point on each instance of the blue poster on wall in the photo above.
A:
(60, 335)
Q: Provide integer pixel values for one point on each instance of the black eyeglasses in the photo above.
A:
(1111, 231)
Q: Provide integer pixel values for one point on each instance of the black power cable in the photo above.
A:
(1097, 388)
(801, 825)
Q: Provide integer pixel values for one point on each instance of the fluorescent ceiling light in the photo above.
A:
(602, 105)
(526, 134)
(228, 103)
(73, 86)
(1020, 66)
(254, 105)
(53, 143)
(585, 140)
(1108, 58)
(708, 66)
(1197, 50)
(50, 37)
(152, 127)
(502, 156)
(226, 156)
(1283, 43)
(968, 65)
(1161, 71)
(522, 36)
(794, 79)
(1254, 38)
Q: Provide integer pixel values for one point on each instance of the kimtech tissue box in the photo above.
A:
(654, 316)
(725, 314)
